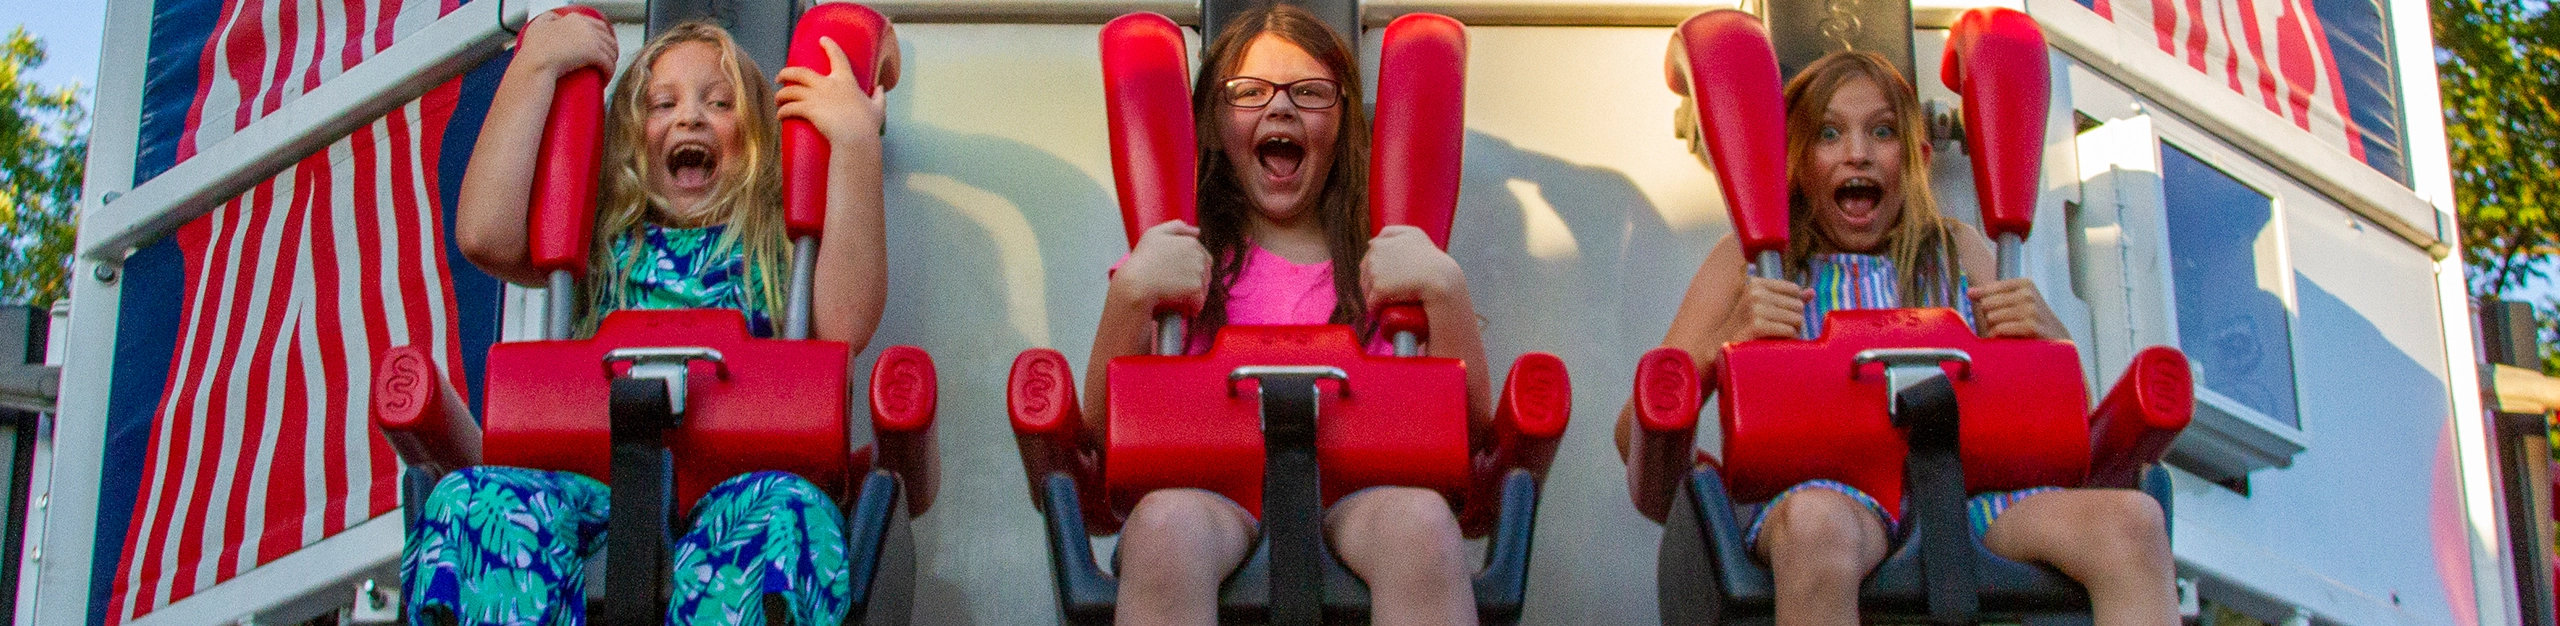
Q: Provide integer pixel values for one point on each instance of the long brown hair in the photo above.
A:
(1342, 206)
(748, 202)
(1918, 242)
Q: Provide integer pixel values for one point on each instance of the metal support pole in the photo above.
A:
(1769, 265)
(2013, 261)
(1170, 335)
(804, 272)
(560, 305)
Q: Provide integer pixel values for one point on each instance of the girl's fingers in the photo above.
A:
(835, 57)
(792, 110)
(796, 74)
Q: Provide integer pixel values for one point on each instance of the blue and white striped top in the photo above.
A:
(1841, 281)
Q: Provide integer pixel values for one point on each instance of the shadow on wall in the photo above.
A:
(977, 217)
(1567, 258)
(976, 223)
(1575, 260)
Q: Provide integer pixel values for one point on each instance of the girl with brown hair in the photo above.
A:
(1283, 240)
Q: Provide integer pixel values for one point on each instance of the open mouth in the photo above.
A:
(1280, 155)
(691, 165)
(1857, 197)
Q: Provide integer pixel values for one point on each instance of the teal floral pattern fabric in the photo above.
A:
(757, 536)
(688, 268)
(504, 545)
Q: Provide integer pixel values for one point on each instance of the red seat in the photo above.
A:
(779, 406)
(1177, 422)
(1794, 410)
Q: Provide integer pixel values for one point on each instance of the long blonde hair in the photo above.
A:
(1919, 243)
(748, 202)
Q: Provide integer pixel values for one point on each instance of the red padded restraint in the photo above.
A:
(1996, 60)
(1722, 61)
(420, 413)
(1418, 139)
(780, 407)
(1793, 411)
(2138, 420)
(1175, 423)
(870, 47)
(1146, 75)
(560, 222)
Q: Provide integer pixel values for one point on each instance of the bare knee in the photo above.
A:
(1822, 536)
(1183, 531)
(2092, 534)
(1399, 537)
(2127, 526)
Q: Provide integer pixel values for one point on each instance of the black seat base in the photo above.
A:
(1707, 575)
(1087, 594)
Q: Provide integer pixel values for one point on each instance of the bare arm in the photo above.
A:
(1168, 266)
(2003, 308)
(1404, 267)
(1725, 304)
(489, 218)
(852, 277)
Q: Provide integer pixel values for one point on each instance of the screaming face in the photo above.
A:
(692, 131)
(1854, 179)
(1280, 152)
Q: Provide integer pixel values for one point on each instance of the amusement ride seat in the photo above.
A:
(674, 401)
(1285, 419)
(1884, 399)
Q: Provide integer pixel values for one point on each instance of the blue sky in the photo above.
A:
(71, 30)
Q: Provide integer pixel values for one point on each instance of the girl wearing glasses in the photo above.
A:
(1282, 240)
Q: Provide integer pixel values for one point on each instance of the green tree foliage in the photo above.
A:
(44, 147)
(2499, 63)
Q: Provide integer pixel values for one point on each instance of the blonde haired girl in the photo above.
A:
(690, 218)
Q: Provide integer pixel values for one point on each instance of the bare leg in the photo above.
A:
(1404, 542)
(1176, 547)
(2111, 540)
(1820, 544)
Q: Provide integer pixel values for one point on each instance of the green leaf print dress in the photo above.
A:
(505, 545)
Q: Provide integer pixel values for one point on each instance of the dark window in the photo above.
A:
(2232, 318)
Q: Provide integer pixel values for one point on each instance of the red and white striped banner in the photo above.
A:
(2274, 52)
(261, 445)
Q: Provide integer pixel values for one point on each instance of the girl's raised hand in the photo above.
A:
(1167, 267)
(1769, 309)
(2013, 308)
(557, 44)
(834, 101)
(1403, 266)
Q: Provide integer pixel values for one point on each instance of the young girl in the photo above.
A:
(1864, 233)
(690, 218)
(1283, 155)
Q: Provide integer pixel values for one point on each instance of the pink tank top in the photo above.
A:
(1272, 290)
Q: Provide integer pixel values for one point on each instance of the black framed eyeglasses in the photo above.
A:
(1246, 92)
